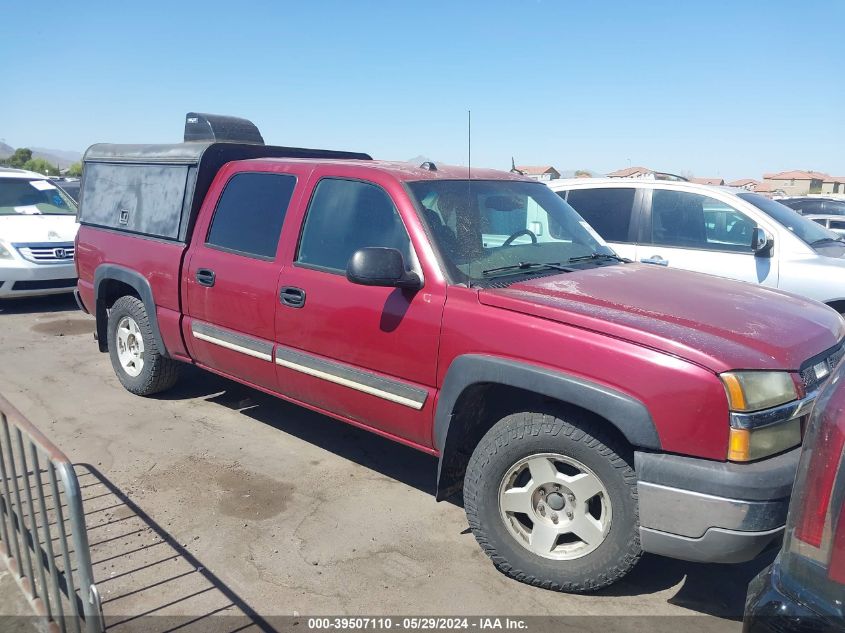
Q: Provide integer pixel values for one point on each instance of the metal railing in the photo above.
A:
(40, 514)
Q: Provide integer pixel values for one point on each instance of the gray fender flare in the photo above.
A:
(629, 415)
(139, 283)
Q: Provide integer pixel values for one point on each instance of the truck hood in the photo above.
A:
(714, 322)
(37, 228)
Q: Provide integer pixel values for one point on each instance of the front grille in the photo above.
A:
(829, 360)
(59, 252)
(44, 284)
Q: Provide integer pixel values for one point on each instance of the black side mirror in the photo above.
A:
(761, 242)
(377, 266)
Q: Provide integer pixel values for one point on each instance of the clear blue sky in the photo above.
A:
(728, 87)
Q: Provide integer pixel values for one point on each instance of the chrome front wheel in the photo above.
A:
(555, 506)
(551, 497)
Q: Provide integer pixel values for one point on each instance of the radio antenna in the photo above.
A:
(469, 144)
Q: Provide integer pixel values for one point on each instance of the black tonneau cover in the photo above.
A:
(157, 190)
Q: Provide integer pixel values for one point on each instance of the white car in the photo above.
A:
(835, 223)
(37, 231)
(722, 231)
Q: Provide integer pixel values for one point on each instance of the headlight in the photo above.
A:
(755, 390)
(757, 435)
(5, 253)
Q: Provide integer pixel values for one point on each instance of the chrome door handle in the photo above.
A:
(655, 259)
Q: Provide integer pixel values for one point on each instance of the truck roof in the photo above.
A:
(404, 171)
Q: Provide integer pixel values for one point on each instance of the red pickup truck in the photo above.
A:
(588, 408)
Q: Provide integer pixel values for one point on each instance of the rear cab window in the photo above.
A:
(250, 213)
(607, 210)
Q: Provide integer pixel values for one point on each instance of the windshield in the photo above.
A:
(810, 232)
(19, 196)
(490, 228)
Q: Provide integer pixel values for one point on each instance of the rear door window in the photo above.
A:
(250, 213)
(608, 210)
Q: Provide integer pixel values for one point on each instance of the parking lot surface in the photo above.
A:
(214, 498)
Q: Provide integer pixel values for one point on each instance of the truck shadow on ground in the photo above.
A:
(379, 454)
(148, 580)
(36, 305)
(717, 590)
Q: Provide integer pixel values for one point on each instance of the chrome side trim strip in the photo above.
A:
(248, 345)
(363, 381)
(783, 413)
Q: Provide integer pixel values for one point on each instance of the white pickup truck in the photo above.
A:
(37, 231)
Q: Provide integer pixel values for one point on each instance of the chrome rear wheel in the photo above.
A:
(130, 346)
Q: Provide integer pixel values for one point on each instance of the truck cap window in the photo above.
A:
(485, 229)
(346, 215)
(250, 213)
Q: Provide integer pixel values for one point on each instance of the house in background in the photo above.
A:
(708, 181)
(769, 190)
(632, 172)
(834, 184)
(749, 184)
(538, 172)
(800, 182)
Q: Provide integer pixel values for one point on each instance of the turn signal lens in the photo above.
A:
(736, 398)
(739, 445)
(745, 445)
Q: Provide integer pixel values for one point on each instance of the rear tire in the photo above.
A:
(137, 361)
(552, 500)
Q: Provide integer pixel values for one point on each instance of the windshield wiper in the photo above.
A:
(584, 258)
(526, 267)
(828, 240)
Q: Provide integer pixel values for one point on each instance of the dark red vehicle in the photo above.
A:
(803, 591)
(588, 408)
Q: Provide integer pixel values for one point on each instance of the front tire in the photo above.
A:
(138, 363)
(552, 500)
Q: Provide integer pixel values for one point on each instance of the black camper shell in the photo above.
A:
(157, 190)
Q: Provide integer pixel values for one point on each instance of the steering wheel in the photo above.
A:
(740, 231)
(530, 234)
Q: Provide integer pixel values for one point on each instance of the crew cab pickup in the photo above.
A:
(587, 408)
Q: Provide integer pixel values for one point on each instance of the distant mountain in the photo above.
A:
(61, 157)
